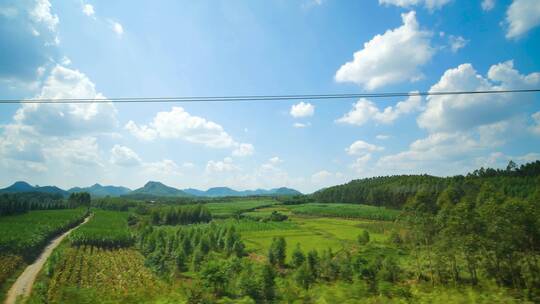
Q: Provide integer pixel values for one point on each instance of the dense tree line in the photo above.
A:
(114, 203)
(182, 215)
(15, 203)
(396, 191)
(79, 199)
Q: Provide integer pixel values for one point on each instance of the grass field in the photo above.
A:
(345, 211)
(225, 209)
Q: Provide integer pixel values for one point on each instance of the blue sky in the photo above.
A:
(100, 49)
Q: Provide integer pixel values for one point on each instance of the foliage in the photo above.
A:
(16, 203)
(177, 249)
(107, 229)
(79, 199)
(183, 215)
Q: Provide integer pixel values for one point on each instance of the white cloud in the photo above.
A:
(457, 42)
(360, 164)
(429, 4)
(382, 136)
(124, 156)
(165, 167)
(188, 165)
(142, 132)
(66, 61)
(361, 147)
(21, 142)
(302, 109)
(536, 127)
(365, 110)
(243, 150)
(275, 160)
(117, 28)
(447, 113)
(488, 5)
(226, 165)
(326, 178)
(83, 151)
(88, 10)
(179, 124)
(522, 16)
(390, 58)
(301, 125)
(67, 119)
(42, 13)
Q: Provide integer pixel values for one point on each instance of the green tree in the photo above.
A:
(298, 256)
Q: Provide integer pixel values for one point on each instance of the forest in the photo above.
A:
(397, 239)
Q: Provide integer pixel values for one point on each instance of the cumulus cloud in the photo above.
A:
(117, 28)
(457, 43)
(226, 165)
(141, 132)
(429, 4)
(365, 110)
(88, 10)
(466, 126)
(446, 113)
(361, 147)
(326, 178)
(20, 142)
(243, 150)
(360, 164)
(124, 156)
(302, 109)
(28, 34)
(165, 167)
(179, 124)
(522, 16)
(390, 58)
(488, 5)
(68, 119)
(42, 13)
(82, 151)
(301, 125)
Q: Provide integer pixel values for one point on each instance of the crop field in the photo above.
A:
(266, 211)
(224, 209)
(25, 234)
(311, 233)
(345, 211)
(88, 274)
(107, 229)
(244, 225)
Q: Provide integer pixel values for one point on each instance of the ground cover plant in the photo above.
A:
(108, 229)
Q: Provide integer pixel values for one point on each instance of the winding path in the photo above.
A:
(23, 285)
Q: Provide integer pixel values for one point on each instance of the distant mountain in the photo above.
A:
(157, 189)
(26, 187)
(98, 190)
(226, 191)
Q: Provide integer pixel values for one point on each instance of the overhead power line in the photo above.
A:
(248, 98)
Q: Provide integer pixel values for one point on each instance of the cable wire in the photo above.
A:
(249, 98)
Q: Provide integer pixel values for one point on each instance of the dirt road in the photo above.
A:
(23, 285)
